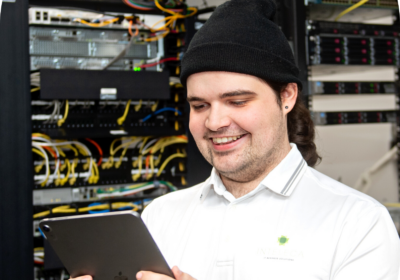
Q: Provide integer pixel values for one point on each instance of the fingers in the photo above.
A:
(148, 275)
(86, 277)
(179, 275)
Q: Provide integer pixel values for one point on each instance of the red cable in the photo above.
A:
(51, 151)
(147, 164)
(159, 62)
(98, 148)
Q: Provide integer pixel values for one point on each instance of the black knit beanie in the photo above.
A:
(241, 37)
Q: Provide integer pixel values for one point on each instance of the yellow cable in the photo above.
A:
(183, 181)
(171, 157)
(117, 205)
(158, 160)
(110, 162)
(39, 166)
(35, 89)
(181, 167)
(95, 207)
(48, 174)
(154, 106)
(60, 151)
(41, 214)
(58, 180)
(60, 122)
(68, 146)
(87, 164)
(173, 13)
(67, 209)
(66, 178)
(38, 152)
(126, 145)
(157, 38)
(138, 106)
(149, 175)
(136, 176)
(143, 144)
(41, 135)
(164, 27)
(348, 10)
(59, 209)
(104, 23)
(164, 142)
(121, 120)
(63, 166)
(74, 164)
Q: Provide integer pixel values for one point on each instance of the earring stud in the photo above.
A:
(286, 107)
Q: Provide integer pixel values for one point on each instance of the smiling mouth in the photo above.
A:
(226, 140)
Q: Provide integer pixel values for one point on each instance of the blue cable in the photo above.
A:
(41, 232)
(160, 111)
(97, 211)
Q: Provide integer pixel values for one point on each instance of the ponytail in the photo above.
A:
(300, 126)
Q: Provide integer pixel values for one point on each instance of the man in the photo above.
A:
(264, 213)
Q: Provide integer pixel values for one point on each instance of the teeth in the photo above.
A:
(225, 139)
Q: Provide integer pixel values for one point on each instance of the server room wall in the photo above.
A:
(122, 140)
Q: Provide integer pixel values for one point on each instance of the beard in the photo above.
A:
(256, 158)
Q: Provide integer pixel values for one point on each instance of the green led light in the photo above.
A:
(137, 69)
(371, 90)
(371, 85)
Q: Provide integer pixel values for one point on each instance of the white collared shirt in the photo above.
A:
(297, 224)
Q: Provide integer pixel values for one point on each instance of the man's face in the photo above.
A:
(236, 122)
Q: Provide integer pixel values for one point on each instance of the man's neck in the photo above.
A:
(239, 189)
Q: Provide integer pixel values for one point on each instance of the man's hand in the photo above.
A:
(86, 277)
(148, 275)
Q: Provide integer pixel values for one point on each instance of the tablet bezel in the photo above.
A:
(113, 245)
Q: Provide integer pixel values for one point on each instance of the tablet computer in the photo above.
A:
(108, 246)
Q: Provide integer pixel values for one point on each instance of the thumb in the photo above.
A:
(177, 273)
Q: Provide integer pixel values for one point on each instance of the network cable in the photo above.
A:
(160, 111)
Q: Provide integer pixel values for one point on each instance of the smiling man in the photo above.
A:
(264, 213)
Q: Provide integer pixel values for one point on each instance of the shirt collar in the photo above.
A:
(282, 180)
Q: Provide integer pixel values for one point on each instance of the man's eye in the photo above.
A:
(238, 103)
(198, 107)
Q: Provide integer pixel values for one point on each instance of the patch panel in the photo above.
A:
(85, 48)
(352, 88)
(371, 3)
(323, 118)
(84, 194)
(352, 44)
(115, 161)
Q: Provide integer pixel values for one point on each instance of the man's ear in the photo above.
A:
(289, 97)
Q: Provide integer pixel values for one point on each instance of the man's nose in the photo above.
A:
(218, 118)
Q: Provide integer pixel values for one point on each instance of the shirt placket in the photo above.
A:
(225, 256)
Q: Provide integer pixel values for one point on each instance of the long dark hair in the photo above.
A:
(300, 126)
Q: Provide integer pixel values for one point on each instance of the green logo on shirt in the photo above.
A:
(283, 240)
